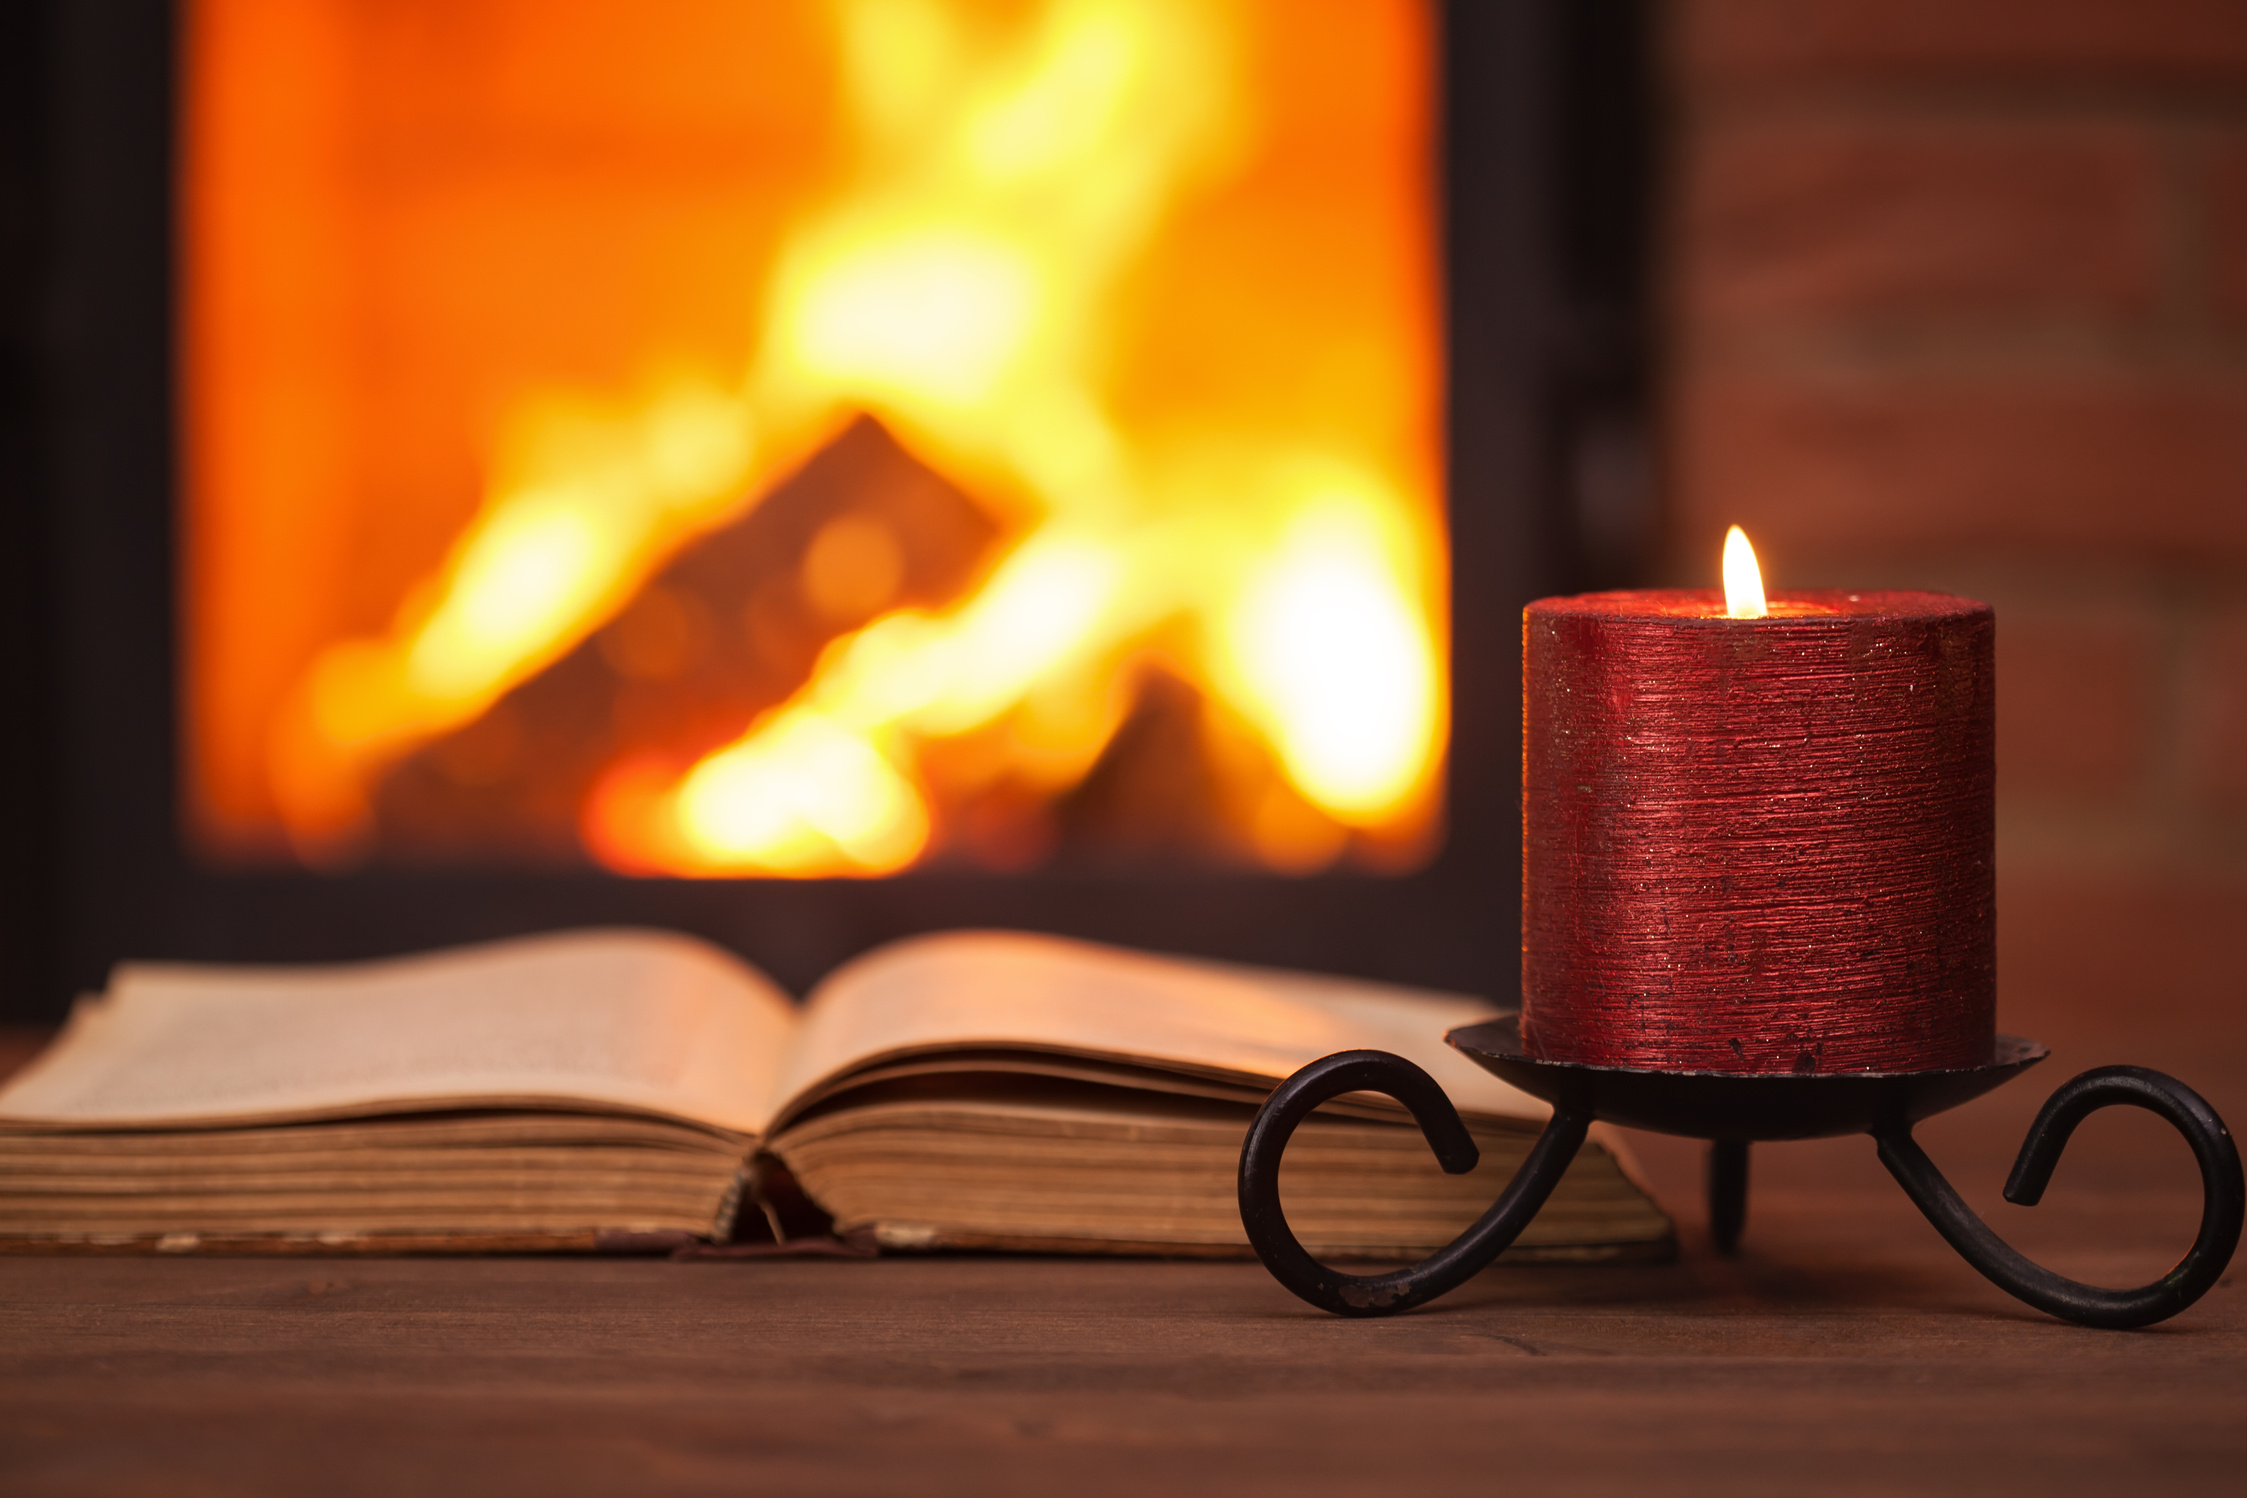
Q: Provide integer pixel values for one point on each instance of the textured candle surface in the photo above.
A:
(1759, 845)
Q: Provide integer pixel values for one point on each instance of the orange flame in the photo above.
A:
(968, 281)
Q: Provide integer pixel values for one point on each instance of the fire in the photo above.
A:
(1325, 652)
(599, 503)
(1743, 579)
(970, 279)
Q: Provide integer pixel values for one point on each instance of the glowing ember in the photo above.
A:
(1071, 266)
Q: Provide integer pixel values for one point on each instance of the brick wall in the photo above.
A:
(1958, 298)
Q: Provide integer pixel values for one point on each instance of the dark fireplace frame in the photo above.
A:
(1546, 121)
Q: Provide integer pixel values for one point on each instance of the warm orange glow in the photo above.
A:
(1152, 278)
(1743, 579)
(1328, 655)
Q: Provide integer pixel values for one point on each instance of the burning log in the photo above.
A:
(730, 628)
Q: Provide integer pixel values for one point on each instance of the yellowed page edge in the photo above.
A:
(646, 1021)
(1016, 991)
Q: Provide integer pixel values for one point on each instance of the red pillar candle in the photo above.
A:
(1758, 844)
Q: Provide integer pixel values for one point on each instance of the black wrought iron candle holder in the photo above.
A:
(1734, 1110)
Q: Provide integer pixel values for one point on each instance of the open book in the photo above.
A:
(632, 1088)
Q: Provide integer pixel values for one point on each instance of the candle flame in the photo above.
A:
(1743, 579)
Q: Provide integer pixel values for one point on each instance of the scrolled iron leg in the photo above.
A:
(1449, 1267)
(2223, 1197)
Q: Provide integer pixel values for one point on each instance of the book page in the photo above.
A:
(1008, 989)
(640, 1020)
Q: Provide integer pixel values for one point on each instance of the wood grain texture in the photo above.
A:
(1846, 1351)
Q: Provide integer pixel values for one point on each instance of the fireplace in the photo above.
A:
(808, 473)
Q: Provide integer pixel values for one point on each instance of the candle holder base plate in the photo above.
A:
(1742, 1107)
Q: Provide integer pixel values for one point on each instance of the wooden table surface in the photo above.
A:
(1846, 1350)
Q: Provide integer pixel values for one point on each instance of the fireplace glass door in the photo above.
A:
(811, 438)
